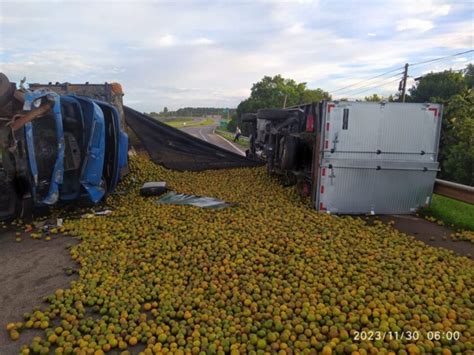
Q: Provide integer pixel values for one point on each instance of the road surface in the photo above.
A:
(206, 133)
(31, 269)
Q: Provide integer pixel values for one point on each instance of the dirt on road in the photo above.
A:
(31, 269)
(430, 233)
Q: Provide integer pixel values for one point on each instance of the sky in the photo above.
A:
(209, 53)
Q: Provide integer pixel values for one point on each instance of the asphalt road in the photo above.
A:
(206, 133)
(31, 269)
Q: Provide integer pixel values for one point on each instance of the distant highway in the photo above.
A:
(206, 133)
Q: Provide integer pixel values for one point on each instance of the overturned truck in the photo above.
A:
(62, 142)
(56, 148)
(352, 157)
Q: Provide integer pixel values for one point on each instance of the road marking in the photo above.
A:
(241, 152)
(203, 137)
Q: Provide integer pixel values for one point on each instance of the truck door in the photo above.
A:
(377, 157)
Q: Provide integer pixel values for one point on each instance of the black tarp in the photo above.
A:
(178, 150)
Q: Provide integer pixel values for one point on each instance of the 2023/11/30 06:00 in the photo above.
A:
(405, 335)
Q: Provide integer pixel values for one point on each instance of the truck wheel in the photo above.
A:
(288, 155)
(249, 117)
(6, 90)
(272, 114)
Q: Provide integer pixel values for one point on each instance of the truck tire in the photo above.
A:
(288, 155)
(6, 90)
(271, 114)
(249, 117)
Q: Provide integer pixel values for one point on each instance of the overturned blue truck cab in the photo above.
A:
(57, 149)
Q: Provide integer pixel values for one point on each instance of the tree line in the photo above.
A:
(192, 112)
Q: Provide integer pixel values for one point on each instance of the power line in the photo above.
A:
(441, 58)
(372, 87)
(373, 84)
(399, 68)
(363, 81)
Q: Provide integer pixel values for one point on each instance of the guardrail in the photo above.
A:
(453, 190)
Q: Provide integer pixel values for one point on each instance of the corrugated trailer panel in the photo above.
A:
(390, 131)
(377, 158)
(386, 188)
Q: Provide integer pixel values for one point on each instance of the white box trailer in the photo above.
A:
(375, 158)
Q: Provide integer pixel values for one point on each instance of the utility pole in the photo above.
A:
(404, 82)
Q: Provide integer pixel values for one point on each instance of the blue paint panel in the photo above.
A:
(123, 150)
(94, 141)
(79, 116)
(58, 170)
(91, 175)
(117, 144)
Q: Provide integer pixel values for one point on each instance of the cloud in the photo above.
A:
(441, 10)
(414, 24)
(202, 41)
(167, 55)
(166, 41)
(295, 29)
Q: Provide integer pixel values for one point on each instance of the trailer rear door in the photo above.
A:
(377, 157)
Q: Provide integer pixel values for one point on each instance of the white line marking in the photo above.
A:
(203, 137)
(241, 152)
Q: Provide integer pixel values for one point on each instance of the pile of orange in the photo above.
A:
(267, 275)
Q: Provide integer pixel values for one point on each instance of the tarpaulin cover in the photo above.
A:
(178, 150)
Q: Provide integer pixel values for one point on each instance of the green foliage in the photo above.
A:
(189, 123)
(469, 76)
(309, 96)
(277, 92)
(232, 124)
(377, 98)
(438, 87)
(153, 114)
(454, 213)
(243, 141)
(454, 90)
(374, 98)
(457, 139)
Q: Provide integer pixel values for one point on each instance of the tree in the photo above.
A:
(438, 87)
(377, 98)
(469, 76)
(275, 92)
(453, 89)
(374, 98)
(165, 110)
(457, 139)
(314, 95)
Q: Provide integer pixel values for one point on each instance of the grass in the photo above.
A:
(456, 214)
(177, 119)
(189, 123)
(242, 142)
